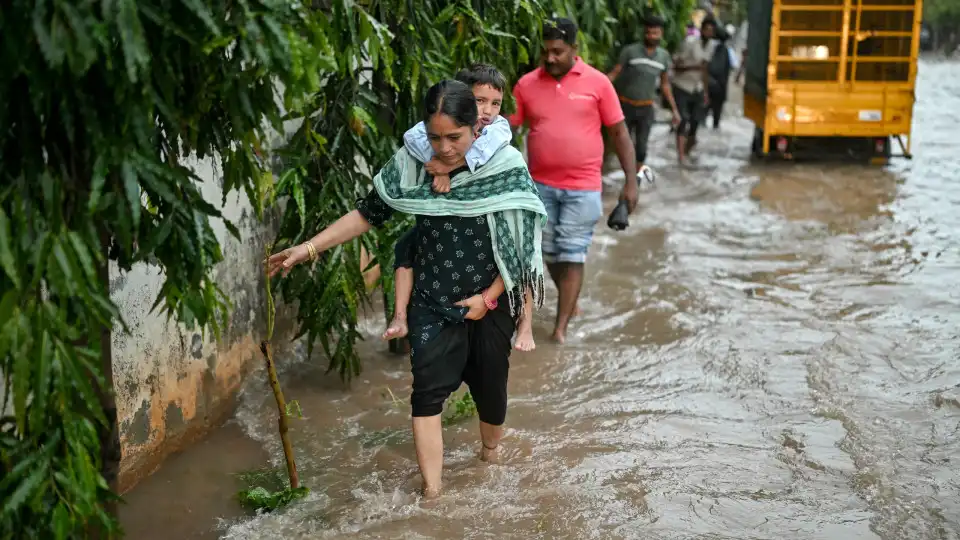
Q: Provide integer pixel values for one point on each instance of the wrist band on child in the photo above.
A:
(491, 304)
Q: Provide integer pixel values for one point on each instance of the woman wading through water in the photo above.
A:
(475, 253)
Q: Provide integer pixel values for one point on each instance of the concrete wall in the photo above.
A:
(173, 384)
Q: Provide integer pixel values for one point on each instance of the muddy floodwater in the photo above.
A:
(768, 352)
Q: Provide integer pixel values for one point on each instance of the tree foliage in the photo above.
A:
(943, 16)
(608, 25)
(102, 100)
(942, 13)
(388, 53)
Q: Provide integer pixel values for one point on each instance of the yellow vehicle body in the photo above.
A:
(832, 69)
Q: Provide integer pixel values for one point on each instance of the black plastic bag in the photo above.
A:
(620, 217)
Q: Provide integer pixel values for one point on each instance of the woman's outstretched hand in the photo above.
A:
(287, 259)
(477, 308)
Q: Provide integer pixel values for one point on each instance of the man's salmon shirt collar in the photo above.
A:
(578, 67)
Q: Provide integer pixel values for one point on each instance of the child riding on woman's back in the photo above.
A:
(493, 132)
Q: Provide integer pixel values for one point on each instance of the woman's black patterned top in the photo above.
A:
(452, 259)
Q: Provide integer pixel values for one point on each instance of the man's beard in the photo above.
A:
(558, 68)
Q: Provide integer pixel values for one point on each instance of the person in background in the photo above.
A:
(721, 66)
(566, 102)
(690, 84)
(640, 70)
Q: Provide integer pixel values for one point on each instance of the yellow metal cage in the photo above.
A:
(839, 68)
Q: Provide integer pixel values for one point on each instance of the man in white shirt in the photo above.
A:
(690, 83)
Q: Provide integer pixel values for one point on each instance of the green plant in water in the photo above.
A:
(267, 489)
(459, 409)
(260, 498)
(294, 410)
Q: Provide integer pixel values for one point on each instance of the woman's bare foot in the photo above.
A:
(429, 492)
(397, 329)
(489, 455)
(525, 342)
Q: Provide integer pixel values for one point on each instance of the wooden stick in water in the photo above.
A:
(275, 384)
(282, 410)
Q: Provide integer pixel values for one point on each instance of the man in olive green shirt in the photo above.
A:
(641, 69)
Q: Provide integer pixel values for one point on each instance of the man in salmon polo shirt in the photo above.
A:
(566, 102)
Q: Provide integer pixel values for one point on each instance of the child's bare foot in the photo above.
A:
(397, 329)
(525, 342)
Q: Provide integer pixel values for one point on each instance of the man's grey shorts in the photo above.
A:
(571, 218)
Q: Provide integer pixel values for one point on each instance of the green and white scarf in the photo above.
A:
(502, 190)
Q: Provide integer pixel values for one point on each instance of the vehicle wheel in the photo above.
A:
(882, 157)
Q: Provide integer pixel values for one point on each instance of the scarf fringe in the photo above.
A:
(518, 296)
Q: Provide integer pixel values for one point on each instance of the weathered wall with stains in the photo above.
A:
(173, 384)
